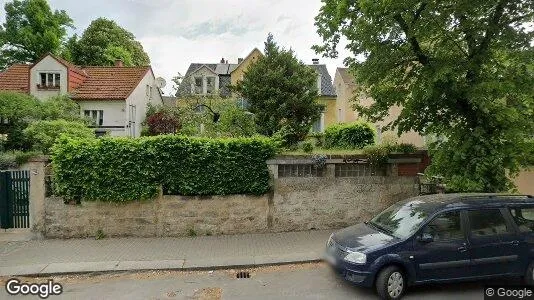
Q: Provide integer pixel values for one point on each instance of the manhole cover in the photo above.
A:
(243, 274)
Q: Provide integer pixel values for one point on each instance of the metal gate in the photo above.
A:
(14, 199)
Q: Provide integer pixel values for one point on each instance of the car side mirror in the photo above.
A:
(426, 238)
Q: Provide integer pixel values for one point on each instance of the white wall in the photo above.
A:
(114, 114)
(204, 72)
(48, 65)
(140, 100)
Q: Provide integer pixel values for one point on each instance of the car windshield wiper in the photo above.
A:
(381, 228)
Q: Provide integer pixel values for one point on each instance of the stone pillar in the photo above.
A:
(37, 167)
(330, 171)
(273, 169)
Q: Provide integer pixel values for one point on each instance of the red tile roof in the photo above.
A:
(15, 78)
(95, 83)
(113, 83)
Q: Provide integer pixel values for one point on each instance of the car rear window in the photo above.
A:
(487, 222)
(524, 218)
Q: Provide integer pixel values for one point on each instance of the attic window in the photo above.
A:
(49, 81)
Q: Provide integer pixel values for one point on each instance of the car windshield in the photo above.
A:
(401, 219)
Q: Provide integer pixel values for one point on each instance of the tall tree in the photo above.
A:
(103, 42)
(30, 31)
(282, 93)
(461, 70)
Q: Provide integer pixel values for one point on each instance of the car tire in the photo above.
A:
(529, 275)
(390, 283)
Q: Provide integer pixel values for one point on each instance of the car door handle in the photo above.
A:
(462, 248)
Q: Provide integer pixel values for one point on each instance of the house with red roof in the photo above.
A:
(115, 97)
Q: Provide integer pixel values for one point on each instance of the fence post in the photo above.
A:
(37, 167)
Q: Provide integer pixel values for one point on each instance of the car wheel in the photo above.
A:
(390, 283)
(529, 275)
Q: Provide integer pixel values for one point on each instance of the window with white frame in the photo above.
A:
(49, 80)
(319, 78)
(96, 115)
(318, 126)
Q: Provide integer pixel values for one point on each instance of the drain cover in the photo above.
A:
(243, 274)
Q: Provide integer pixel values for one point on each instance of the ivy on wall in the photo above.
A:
(125, 169)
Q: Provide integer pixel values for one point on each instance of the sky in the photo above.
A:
(176, 33)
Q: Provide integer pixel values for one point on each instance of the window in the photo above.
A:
(198, 88)
(49, 80)
(524, 218)
(445, 226)
(148, 91)
(96, 115)
(319, 78)
(242, 103)
(210, 85)
(318, 125)
(487, 222)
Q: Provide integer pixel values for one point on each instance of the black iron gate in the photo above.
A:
(14, 199)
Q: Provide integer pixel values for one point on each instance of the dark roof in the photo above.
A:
(435, 202)
(15, 78)
(169, 100)
(327, 88)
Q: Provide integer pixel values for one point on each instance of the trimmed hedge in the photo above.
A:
(125, 169)
(349, 136)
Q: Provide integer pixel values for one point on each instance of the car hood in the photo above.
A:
(362, 238)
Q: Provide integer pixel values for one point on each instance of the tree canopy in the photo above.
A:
(461, 70)
(30, 31)
(103, 42)
(281, 92)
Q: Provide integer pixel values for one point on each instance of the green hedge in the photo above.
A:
(124, 169)
(349, 136)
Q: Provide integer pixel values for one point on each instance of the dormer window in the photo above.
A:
(49, 81)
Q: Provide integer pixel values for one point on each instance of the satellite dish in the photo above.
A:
(160, 82)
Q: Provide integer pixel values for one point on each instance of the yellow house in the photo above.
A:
(345, 87)
(243, 64)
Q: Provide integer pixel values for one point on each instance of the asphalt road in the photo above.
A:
(308, 281)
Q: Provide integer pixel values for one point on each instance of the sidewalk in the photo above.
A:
(46, 257)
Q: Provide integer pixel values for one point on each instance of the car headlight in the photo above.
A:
(356, 257)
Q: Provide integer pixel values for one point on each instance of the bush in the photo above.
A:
(125, 169)
(405, 148)
(377, 154)
(14, 159)
(307, 146)
(43, 134)
(349, 136)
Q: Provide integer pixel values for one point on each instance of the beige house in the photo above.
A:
(345, 86)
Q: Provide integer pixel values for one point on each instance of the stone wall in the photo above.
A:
(323, 203)
(299, 200)
(163, 216)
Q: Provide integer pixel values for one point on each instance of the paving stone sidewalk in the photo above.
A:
(46, 257)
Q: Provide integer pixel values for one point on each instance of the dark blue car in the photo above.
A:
(438, 238)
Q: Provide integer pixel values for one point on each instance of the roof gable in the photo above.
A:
(248, 57)
(207, 67)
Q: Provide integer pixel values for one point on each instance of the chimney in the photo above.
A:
(315, 61)
(239, 60)
(222, 60)
(118, 63)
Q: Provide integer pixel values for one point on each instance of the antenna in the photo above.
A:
(160, 82)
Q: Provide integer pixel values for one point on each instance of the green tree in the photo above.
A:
(461, 70)
(43, 134)
(30, 31)
(60, 107)
(16, 111)
(282, 92)
(103, 42)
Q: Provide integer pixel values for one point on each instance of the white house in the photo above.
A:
(116, 97)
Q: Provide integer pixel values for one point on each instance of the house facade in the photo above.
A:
(115, 97)
(345, 88)
(208, 79)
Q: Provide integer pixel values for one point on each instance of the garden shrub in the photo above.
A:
(405, 148)
(307, 146)
(43, 134)
(125, 169)
(349, 136)
(14, 159)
